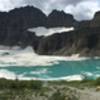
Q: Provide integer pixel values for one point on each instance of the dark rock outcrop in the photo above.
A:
(14, 24)
(96, 20)
(60, 18)
(85, 41)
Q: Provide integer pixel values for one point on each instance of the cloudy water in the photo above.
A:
(25, 65)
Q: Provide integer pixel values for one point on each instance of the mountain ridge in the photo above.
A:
(14, 25)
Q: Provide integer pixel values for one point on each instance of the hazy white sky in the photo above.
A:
(81, 9)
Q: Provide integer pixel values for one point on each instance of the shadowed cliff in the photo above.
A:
(85, 39)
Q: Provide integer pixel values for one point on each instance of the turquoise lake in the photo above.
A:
(65, 70)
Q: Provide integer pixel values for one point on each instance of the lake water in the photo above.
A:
(64, 70)
(25, 65)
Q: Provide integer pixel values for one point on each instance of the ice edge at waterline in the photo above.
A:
(16, 56)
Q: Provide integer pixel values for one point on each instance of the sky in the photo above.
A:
(81, 9)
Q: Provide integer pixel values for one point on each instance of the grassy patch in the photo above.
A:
(55, 90)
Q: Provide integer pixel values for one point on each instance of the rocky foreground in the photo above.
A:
(58, 90)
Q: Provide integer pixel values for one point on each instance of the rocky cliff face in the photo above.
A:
(14, 24)
(96, 20)
(84, 40)
(60, 18)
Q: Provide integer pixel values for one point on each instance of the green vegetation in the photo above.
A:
(17, 85)
(18, 90)
(58, 96)
(38, 90)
